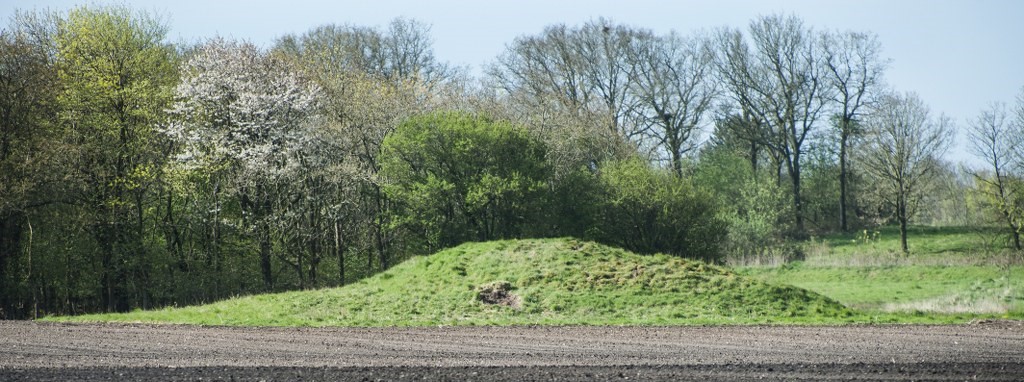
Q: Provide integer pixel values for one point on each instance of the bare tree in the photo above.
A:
(995, 140)
(402, 52)
(584, 71)
(607, 49)
(779, 78)
(854, 68)
(674, 89)
(903, 145)
(652, 91)
(1018, 132)
(545, 70)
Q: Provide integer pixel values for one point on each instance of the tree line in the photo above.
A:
(137, 173)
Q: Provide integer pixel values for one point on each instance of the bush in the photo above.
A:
(756, 211)
(651, 210)
(757, 225)
(456, 177)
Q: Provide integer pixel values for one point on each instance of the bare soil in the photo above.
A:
(31, 351)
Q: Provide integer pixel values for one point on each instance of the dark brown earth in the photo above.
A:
(31, 351)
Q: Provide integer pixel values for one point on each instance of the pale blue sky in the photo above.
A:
(958, 55)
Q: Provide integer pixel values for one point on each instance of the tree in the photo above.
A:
(674, 89)
(457, 177)
(854, 71)
(242, 114)
(616, 84)
(995, 139)
(402, 52)
(583, 71)
(902, 150)
(29, 137)
(372, 80)
(117, 72)
(780, 80)
(732, 132)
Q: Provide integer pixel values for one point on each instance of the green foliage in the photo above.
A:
(755, 210)
(1000, 202)
(651, 210)
(117, 73)
(116, 70)
(554, 281)
(31, 158)
(821, 189)
(28, 91)
(457, 177)
(573, 208)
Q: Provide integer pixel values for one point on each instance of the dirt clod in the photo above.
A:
(499, 293)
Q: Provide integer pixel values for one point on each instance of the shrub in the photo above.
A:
(756, 211)
(456, 177)
(650, 210)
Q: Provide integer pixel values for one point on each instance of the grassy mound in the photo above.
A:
(550, 281)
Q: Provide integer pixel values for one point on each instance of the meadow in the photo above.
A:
(949, 271)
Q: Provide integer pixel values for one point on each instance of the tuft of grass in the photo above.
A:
(543, 281)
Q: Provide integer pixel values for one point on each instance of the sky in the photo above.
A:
(959, 56)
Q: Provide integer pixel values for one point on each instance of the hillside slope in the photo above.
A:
(521, 282)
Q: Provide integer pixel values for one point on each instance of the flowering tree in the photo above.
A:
(242, 115)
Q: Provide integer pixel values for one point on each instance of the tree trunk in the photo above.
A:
(901, 215)
(214, 246)
(379, 232)
(339, 253)
(141, 250)
(298, 263)
(314, 264)
(674, 144)
(843, 141)
(1016, 240)
(174, 240)
(105, 238)
(794, 175)
(265, 253)
(677, 162)
(753, 158)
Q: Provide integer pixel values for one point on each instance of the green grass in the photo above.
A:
(556, 281)
(950, 271)
(910, 289)
(928, 246)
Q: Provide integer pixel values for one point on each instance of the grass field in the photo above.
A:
(552, 281)
(951, 276)
(950, 270)
(928, 246)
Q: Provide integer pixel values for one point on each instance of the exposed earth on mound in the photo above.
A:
(69, 352)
